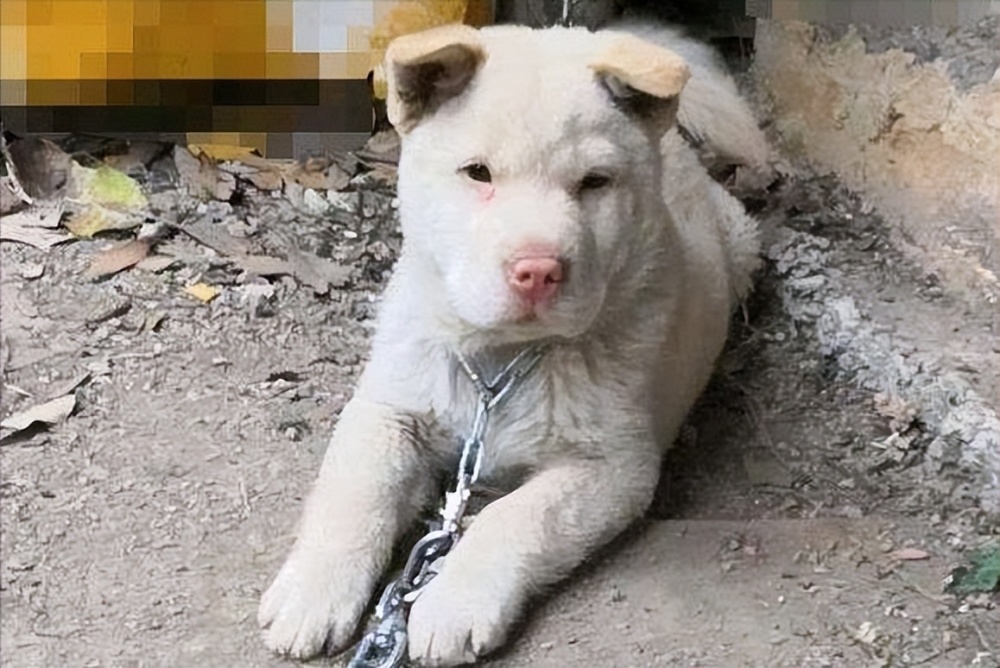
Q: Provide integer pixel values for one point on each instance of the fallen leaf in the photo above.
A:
(106, 187)
(224, 151)
(209, 234)
(95, 218)
(117, 258)
(266, 179)
(10, 201)
(264, 265)
(319, 173)
(155, 263)
(45, 214)
(308, 269)
(202, 177)
(41, 167)
(202, 291)
(980, 573)
(153, 320)
(909, 554)
(50, 412)
(319, 273)
(23, 227)
(64, 388)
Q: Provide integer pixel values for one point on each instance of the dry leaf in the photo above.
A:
(23, 227)
(50, 412)
(319, 173)
(316, 272)
(107, 187)
(96, 218)
(43, 214)
(67, 386)
(153, 320)
(155, 263)
(209, 234)
(266, 179)
(225, 151)
(202, 177)
(909, 554)
(42, 168)
(117, 258)
(264, 265)
(202, 291)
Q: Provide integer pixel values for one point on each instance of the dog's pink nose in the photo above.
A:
(535, 279)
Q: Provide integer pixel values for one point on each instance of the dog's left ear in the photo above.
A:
(427, 68)
(643, 79)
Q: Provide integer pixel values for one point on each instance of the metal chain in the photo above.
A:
(385, 645)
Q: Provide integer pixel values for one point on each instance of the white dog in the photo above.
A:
(545, 195)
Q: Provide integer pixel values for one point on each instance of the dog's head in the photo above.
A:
(530, 168)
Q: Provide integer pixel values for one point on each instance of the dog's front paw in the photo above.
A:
(455, 620)
(314, 603)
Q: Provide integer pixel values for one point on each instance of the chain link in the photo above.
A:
(385, 645)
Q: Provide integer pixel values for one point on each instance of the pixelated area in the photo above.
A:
(261, 71)
(231, 71)
(946, 13)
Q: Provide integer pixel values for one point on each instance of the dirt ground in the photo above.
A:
(800, 522)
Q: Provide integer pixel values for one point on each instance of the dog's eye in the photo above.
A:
(593, 182)
(478, 172)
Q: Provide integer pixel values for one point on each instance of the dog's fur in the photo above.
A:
(657, 258)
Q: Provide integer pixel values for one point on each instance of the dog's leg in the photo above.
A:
(520, 543)
(371, 486)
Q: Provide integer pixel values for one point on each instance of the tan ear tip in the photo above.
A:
(411, 47)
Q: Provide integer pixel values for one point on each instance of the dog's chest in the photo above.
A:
(518, 429)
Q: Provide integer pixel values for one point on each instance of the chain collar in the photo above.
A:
(385, 646)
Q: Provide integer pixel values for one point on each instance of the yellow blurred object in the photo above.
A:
(202, 291)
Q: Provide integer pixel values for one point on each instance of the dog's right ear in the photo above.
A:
(427, 68)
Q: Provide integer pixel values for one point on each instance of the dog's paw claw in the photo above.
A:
(312, 607)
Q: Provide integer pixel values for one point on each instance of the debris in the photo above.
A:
(33, 227)
(153, 320)
(50, 412)
(867, 633)
(220, 152)
(106, 187)
(318, 273)
(980, 573)
(33, 270)
(319, 173)
(202, 177)
(382, 147)
(39, 168)
(117, 258)
(10, 201)
(203, 291)
(207, 233)
(155, 263)
(909, 554)
(94, 219)
(894, 407)
(112, 307)
(42, 214)
(63, 389)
